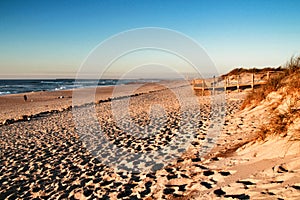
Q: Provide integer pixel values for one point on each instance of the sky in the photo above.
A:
(53, 38)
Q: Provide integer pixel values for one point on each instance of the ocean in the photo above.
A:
(13, 86)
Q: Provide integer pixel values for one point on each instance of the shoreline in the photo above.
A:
(67, 87)
(14, 108)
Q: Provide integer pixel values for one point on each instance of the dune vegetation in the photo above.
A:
(282, 94)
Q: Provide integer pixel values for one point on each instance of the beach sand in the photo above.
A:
(45, 158)
(14, 107)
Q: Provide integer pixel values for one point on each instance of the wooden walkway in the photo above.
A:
(201, 87)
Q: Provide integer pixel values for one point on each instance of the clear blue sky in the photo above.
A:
(52, 38)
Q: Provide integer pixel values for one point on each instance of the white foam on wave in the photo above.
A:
(4, 93)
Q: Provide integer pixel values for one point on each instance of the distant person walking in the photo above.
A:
(25, 98)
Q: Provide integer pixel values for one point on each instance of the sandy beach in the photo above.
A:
(43, 157)
(13, 107)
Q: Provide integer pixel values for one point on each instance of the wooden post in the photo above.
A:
(238, 83)
(225, 84)
(214, 86)
(252, 84)
(194, 85)
(268, 75)
(203, 87)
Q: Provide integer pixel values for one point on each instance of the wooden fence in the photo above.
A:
(214, 85)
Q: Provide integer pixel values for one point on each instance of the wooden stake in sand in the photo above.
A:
(238, 83)
(252, 83)
(203, 87)
(225, 84)
(214, 82)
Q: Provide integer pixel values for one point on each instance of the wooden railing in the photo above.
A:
(212, 86)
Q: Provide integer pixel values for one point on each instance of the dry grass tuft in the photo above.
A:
(293, 65)
(279, 123)
(260, 94)
(238, 71)
(290, 78)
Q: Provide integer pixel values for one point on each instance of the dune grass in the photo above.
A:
(289, 80)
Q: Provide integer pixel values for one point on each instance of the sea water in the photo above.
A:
(13, 86)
